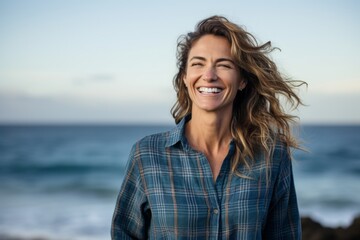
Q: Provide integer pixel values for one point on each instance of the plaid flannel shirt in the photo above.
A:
(168, 192)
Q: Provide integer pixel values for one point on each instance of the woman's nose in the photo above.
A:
(210, 74)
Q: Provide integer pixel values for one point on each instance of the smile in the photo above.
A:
(209, 90)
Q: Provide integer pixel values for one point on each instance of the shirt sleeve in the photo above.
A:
(130, 219)
(283, 221)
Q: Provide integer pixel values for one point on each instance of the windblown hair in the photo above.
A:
(258, 118)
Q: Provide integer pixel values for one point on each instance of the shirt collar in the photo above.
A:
(177, 134)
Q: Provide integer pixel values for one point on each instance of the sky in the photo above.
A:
(114, 61)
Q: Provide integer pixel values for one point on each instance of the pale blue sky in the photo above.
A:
(113, 61)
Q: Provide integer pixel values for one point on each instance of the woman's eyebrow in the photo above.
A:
(225, 60)
(198, 58)
(217, 60)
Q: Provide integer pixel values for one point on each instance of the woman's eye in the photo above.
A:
(196, 64)
(224, 65)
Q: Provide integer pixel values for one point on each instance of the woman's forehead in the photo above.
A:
(210, 45)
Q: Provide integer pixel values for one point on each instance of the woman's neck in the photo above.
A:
(209, 132)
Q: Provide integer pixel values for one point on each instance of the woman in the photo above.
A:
(225, 171)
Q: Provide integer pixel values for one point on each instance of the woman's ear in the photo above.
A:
(184, 80)
(242, 84)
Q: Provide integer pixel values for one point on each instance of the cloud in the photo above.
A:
(18, 107)
(94, 79)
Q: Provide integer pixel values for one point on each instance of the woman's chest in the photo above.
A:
(189, 198)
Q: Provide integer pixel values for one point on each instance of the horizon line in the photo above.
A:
(149, 123)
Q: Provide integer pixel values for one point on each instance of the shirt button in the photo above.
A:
(216, 211)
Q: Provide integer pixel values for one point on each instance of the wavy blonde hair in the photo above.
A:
(259, 119)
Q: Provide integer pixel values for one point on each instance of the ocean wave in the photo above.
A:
(60, 168)
(343, 153)
(337, 203)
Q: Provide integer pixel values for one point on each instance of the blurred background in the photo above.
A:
(81, 81)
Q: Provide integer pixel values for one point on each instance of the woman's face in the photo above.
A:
(212, 78)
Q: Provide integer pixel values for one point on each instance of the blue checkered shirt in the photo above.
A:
(168, 192)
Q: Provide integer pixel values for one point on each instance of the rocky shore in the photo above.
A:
(312, 230)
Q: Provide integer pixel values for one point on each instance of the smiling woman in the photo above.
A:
(225, 171)
(212, 78)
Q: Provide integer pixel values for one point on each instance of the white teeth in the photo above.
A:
(209, 90)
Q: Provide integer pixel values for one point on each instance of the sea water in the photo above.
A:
(61, 182)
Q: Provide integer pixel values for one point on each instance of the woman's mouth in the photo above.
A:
(209, 90)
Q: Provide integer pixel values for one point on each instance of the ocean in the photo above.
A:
(61, 182)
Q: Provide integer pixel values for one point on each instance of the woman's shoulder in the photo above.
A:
(150, 152)
(152, 142)
(280, 150)
(271, 162)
